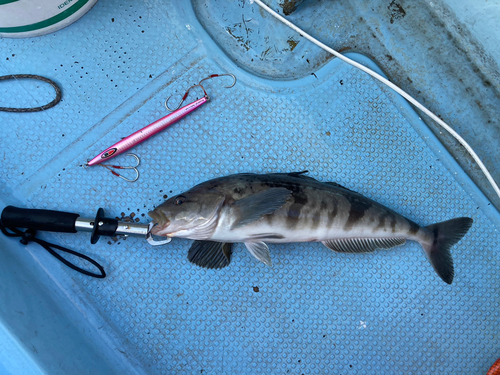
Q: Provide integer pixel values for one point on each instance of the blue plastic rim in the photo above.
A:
(314, 311)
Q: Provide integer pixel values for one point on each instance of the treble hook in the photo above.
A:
(184, 98)
(134, 167)
(220, 75)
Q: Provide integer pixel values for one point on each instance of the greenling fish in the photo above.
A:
(291, 207)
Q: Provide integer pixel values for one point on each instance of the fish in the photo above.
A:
(256, 209)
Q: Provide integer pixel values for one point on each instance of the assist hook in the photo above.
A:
(212, 76)
(184, 97)
(220, 75)
(133, 167)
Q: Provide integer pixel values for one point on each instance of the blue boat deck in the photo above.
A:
(314, 311)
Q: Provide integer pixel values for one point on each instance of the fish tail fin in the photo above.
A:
(446, 234)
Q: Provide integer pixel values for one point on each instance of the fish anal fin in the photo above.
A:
(260, 251)
(253, 207)
(362, 245)
(209, 254)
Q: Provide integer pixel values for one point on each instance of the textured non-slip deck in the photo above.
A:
(314, 311)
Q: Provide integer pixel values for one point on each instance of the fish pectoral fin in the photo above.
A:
(209, 254)
(260, 251)
(362, 245)
(253, 207)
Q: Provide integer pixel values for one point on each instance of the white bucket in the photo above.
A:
(28, 18)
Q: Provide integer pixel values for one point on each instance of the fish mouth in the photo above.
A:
(161, 223)
(159, 230)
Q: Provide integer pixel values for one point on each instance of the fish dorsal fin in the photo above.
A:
(253, 207)
(209, 254)
(298, 174)
(301, 175)
(260, 251)
(339, 186)
(294, 174)
(362, 245)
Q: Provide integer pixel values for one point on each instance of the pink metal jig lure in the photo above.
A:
(148, 131)
(157, 126)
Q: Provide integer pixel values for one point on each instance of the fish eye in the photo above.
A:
(179, 200)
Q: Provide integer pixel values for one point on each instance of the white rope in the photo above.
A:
(392, 86)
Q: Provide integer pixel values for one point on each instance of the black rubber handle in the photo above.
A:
(48, 220)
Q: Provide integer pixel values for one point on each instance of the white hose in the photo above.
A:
(392, 86)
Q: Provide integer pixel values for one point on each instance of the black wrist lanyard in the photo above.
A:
(29, 236)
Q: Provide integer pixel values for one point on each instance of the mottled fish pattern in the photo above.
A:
(292, 207)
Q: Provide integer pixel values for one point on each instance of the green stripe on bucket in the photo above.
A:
(46, 23)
